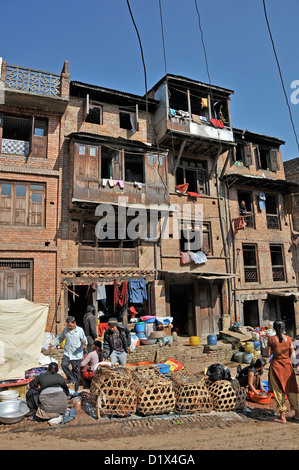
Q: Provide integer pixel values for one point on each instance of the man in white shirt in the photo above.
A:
(75, 342)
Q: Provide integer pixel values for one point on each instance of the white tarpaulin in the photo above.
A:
(22, 329)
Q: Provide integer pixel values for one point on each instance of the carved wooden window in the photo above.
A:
(22, 204)
(251, 273)
(277, 261)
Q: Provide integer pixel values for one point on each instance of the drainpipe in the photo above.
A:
(223, 234)
(234, 251)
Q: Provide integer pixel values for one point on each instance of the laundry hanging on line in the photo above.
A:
(137, 291)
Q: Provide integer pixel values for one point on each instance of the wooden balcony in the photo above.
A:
(93, 256)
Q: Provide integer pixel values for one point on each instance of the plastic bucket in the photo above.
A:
(140, 326)
(247, 358)
(141, 336)
(238, 356)
(164, 368)
(212, 340)
(249, 347)
(194, 341)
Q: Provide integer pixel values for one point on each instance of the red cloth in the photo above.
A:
(102, 328)
(239, 224)
(217, 123)
(182, 188)
(193, 194)
(120, 294)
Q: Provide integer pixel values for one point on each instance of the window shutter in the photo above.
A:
(31, 138)
(258, 157)
(247, 153)
(1, 129)
(274, 165)
(86, 107)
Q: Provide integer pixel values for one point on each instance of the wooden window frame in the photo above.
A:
(185, 164)
(206, 229)
(89, 105)
(33, 139)
(29, 204)
(253, 267)
(272, 158)
(278, 267)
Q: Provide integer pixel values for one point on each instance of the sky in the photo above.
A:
(99, 40)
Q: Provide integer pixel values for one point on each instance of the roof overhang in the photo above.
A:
(260, 182)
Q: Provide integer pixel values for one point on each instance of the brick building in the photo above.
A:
(141, 149)
(81, 163)
(291, 168)
(32, 110)
(261, 252)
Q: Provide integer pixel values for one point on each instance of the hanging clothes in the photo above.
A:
(185, 257)
(262, 201)
(198, 258)
(217, 123)
(204, 103)
(120, 294)
(101, 291)
(239, 224)
(137, 291)
(123, 294)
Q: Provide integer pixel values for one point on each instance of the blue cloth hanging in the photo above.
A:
(137, 291)
(262, 201)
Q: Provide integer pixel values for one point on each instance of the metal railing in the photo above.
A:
(32, 81)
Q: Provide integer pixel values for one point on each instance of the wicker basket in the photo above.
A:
(114, 391)
(155, 394)
(192, 394)
(226, 395)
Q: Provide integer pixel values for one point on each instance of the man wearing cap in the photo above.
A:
(117, 340)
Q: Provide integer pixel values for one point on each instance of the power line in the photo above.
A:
(280, 73)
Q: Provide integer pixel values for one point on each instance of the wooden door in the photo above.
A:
(15, 279)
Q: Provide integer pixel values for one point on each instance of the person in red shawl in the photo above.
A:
(281, 371)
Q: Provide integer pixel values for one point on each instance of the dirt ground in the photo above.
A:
(253, 428)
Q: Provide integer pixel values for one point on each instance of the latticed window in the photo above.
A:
(277, 262)
(272, 211)
(250, 263)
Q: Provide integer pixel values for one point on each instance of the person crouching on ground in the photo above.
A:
(251, 376)
(117, 340)
(75, 342)
(47, 394)
(90, 362)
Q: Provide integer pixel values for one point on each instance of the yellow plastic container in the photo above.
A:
(62, 344)
(194, 341)
(249, 347)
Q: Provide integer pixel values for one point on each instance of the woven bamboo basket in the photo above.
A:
(225, 395)
(114, 391)
(192, 394)
(155, 394)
